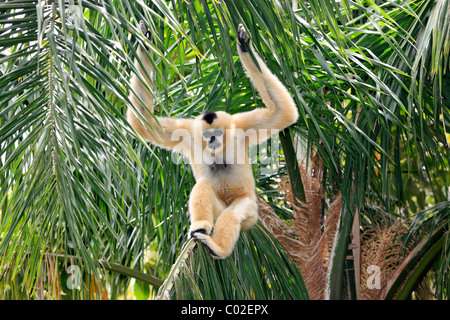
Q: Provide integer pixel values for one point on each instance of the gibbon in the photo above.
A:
(223, 201)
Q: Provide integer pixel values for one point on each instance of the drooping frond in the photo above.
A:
(310, 235)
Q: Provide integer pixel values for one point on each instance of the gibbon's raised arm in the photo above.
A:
(280, 111)
(160, 133)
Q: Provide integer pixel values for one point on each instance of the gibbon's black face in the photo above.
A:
(213, 137)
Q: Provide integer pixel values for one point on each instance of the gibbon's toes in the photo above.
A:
(209, 244)
(203, 227)
(145, 30)
(243, 38)
(192, 233)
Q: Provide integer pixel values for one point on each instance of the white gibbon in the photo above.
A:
(223, 201)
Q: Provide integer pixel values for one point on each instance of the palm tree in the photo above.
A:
(86, 206)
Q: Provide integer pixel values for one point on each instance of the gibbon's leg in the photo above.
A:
(243, 212)
(204, 207)
(160, 130)
(251, 219)
(280, 111)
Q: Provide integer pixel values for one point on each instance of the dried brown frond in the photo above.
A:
(425, 291)
(280, 229)
(380, 248)
(310, 238)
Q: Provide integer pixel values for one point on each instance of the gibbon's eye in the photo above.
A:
(213, 137)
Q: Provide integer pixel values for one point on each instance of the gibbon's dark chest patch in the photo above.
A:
(209, 117)
(219, 167)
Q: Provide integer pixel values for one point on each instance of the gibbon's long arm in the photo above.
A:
(280, 111)
(160, 132)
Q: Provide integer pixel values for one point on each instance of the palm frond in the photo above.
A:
(260, 269)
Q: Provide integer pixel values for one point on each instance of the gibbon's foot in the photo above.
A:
(243, 38)
(145, 31)
(214, 250)
(202, 227)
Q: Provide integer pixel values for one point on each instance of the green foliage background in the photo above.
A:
(371, 83)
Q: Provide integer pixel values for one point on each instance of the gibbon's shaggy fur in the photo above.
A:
(223, 200)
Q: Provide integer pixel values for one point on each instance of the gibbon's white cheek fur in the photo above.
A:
(223, 200)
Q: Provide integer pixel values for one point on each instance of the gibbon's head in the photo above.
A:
(214, 126)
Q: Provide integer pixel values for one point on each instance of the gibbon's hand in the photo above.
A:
(243, 38)
(145, 30)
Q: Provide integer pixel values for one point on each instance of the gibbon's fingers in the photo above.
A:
(243, 38)
(145, 30)
(146, 33)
